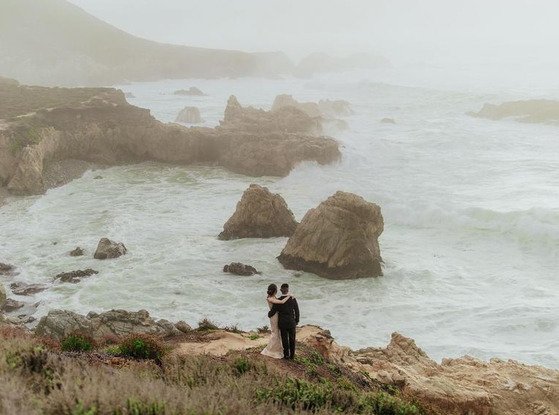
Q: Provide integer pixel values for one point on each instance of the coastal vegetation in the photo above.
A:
(144, 375)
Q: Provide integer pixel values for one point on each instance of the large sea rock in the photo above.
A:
(107, 249)
(259, 214)
(41, 127)
(338, 239)
(59, 323)
(531, 111)
(189, 115)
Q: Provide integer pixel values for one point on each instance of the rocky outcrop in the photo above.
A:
(192, 91)
(287, 119)
(531, 111)
(76, 252)
(6, 269)
(59, 323)
(189, 115)
(454, 387)
(259, 214)
(338, 239)
(75, 276)
(238, 268)
(107, 249)
(97, 125)
(22, 288)
(325, 109)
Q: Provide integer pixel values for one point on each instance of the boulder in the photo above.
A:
(337, 240)
(59, 323)
(189, 115)
(192, 91)
(312, 109)
(108, 249)
(76, 252)
(259, 214)
(75, 276)
(238, 268)
(183, 327)
(10, 304)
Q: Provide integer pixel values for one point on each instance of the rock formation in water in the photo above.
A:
(75, 276)
(76, 252)
(107, 249)
(189, 115)
(259, 214)
(192, 91)
(41, 127)
(338, 239)
(530, 111)
(3, 296)
(59, 323)
(6, 269)
(239, 268)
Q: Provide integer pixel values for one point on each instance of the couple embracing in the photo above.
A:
(284, 317)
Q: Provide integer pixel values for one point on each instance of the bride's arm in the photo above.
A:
(274, 300)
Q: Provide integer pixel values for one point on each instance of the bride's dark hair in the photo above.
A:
(272, 290)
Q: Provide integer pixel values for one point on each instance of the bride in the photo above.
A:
(274, 348)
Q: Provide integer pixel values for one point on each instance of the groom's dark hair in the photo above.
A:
(284, 288)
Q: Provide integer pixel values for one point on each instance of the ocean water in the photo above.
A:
(471, 210)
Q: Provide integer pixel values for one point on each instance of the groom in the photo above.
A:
(288, 319)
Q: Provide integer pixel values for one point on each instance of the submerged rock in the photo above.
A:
(259, 214)
(76, 252)
(107, 249)
(75, 276)
(22, 288)
(532, 111)
(6, 269)
(338, 239)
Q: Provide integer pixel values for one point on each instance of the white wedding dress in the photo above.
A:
(274, 348)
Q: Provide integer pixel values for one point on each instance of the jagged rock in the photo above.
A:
(287, 119)
(338, 239)
(6, 269)
(238, 268)
(59, 323)
(10, 304)
(189, 115)
(259, 214)
(22, 288)
(284, 100)
(192, 91)
(76, 252)
(532, 111)
(183, 327)
(108, 249)
(334, 108)
(75, 276)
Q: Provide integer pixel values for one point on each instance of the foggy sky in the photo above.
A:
(397, 29)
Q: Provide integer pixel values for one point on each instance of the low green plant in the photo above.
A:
(264, 329)
(135, 406)
(80, 409)
(77, 342)
(254, 337)
(297, 393)
(142, 346)
(241, 364)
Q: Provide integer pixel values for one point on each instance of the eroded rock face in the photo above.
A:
(189, 115)
(75, 276)
(76, 252)
(59, 323)
(259, 214)
(22, 288)
(3, 297)
(107, 249)
(338, 239)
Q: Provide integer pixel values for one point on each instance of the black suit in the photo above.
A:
(288, 319)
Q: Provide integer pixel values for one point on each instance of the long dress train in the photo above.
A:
(274, 348)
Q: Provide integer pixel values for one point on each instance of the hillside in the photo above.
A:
(53, 42)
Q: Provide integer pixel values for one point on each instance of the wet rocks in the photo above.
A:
(337, 240)
(6, 269)
(75, 276)
(107, 249)
(259, 214)
(238, 268)
(3, 297)
(10, 304)
(22, 288)
(532, 111)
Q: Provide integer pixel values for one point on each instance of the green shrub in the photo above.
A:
(142, 346)
(206, 325)
(241, 364)
(297, 392)
(77, 342)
